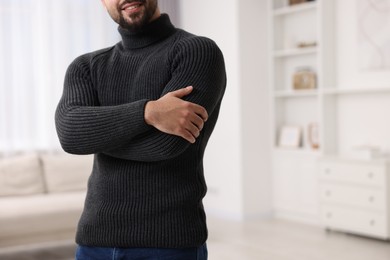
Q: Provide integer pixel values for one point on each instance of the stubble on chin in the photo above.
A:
(136, 22)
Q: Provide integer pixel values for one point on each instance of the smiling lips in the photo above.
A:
(132, 7)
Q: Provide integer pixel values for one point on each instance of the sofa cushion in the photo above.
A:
(21, 175)
(41, 204)
(65, 172)
(39, 214)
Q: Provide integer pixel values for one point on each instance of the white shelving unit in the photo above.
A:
(353, 91)
(348, 112)
(292, 93)
(295, 52)
(281, 8)
(294, 170)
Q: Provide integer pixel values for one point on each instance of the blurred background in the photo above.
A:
(298, 165)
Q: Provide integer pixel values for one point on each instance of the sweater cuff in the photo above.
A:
(138, 118)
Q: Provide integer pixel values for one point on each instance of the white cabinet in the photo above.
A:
(295, 186)
(354, 196)
(300, 39)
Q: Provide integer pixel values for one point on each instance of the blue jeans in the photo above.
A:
(113, 253)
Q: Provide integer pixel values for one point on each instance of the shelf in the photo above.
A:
(295, 9)
(351, 91)
(296, 93)
(295, 52)
(338, 157)
(297, 151)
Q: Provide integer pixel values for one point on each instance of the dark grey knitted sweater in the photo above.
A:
(146, 187)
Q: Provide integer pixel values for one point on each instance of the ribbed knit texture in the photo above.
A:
(146, 187)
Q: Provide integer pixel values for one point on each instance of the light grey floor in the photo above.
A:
(252, 240)
(284, 240)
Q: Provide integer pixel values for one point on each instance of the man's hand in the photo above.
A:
(172, 115)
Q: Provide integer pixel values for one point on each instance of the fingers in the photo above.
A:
(185, 119)
(197, 121)
(180, 93)
(188, 136)
(193, 128)
(201, 111)
(193, 131)
(190, 126)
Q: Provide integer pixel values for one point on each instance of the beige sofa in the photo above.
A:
(41, 196)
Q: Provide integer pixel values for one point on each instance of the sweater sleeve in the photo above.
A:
(85, 127)
(196, 62)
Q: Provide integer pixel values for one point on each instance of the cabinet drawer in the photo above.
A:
(353, 196)
(365, 174)
(355, 221)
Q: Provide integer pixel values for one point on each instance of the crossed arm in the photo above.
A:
(172, 115)
(145, 130)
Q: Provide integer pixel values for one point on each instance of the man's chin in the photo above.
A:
(133, 24)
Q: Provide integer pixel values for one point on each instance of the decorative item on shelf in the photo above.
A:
(366, 152)
(306, 44)
(290, 137)
(294, 2)
(304, 78)
(313, 135)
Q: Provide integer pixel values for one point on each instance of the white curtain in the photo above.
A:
(38, 40)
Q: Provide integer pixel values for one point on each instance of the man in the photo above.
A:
(145, 108)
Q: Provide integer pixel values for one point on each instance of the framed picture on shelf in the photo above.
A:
(290, 137)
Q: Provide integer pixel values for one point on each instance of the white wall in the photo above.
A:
(170, 7)
(236, 160)
(255, 107)
(223, 154)
(361, 119)
(347, 43)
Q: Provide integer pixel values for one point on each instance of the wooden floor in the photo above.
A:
(283, 240)
(252, 240)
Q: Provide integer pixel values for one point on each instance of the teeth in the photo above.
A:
(132, 7)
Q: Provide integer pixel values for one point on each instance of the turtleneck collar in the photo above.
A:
(152, 32)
